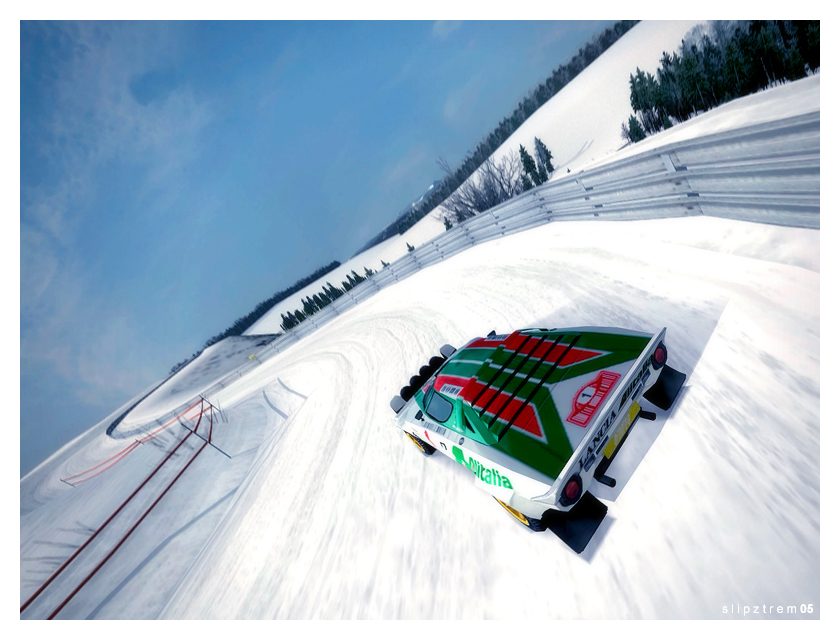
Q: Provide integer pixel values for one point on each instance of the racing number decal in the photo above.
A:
(590, 396)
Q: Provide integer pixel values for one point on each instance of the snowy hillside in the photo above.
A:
(580, 124)
(290, 493)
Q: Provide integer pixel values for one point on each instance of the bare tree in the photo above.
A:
(497, 179)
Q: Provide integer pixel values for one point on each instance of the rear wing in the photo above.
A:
(605, 421)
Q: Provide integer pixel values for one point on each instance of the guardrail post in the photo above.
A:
(668, 161)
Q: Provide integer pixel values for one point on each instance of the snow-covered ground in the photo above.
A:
(332, 513)
(723, 506)
(311, 504)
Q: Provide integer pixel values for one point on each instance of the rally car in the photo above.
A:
(537, 415)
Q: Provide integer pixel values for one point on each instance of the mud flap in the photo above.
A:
(667, 387)
(576, 527)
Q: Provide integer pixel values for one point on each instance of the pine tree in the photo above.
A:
(635, 130)
(543, 156)
(410, 247)
(712, 60)
(526, 182)
(732, 60)
(529, 166)
(646, 95)
(542, 173)
(368, 272)
(289, 321)
(384, 264)
(808, 41)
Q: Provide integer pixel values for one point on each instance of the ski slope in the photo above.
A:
(294, 496)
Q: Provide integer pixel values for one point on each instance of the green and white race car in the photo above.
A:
(538, 415)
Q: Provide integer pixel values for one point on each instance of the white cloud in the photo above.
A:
(96, 119)
(67, 324)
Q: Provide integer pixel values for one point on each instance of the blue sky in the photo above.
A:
(175, 174)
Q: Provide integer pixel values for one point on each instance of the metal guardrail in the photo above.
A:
(768, 173)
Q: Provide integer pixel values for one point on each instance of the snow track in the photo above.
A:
(333, 514)
(342, 518)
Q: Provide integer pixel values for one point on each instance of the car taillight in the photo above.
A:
(571, 491)
(660, 355)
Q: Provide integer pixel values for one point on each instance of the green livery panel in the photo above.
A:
(531, 394)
